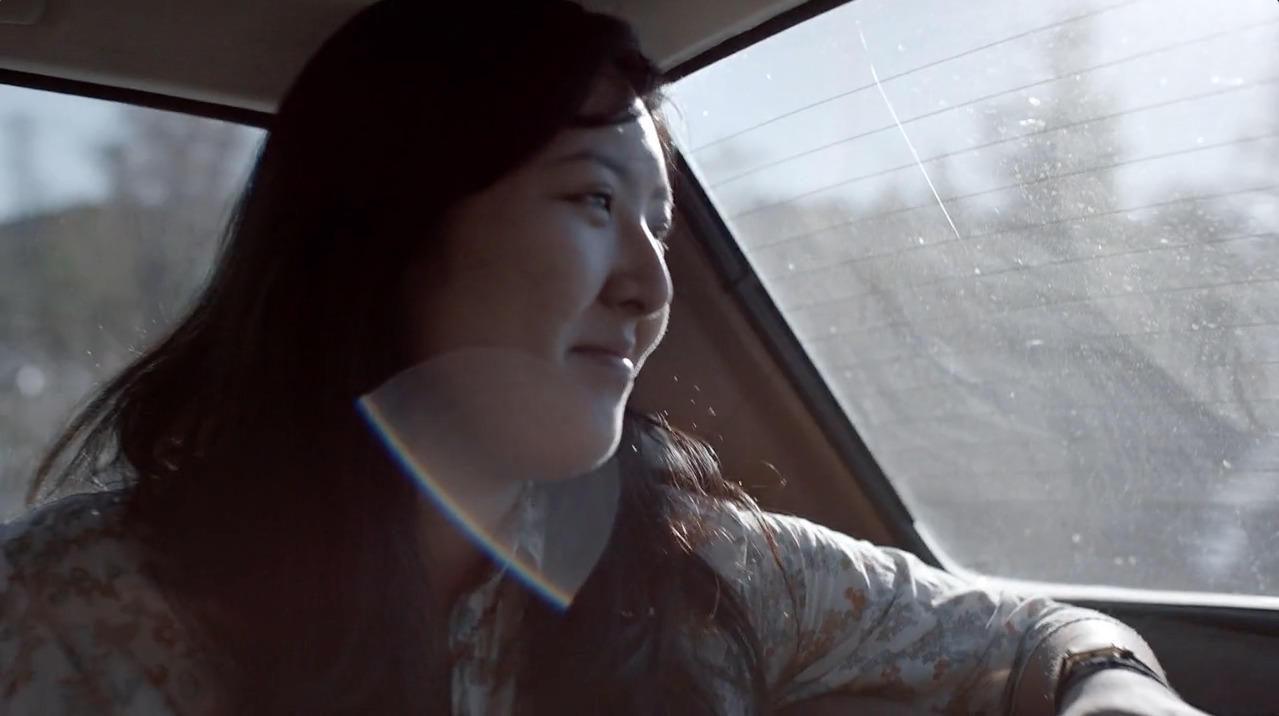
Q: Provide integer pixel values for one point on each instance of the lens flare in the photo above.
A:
(470, 427)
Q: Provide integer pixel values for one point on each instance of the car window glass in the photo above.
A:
(109, 218)
(1033, 248)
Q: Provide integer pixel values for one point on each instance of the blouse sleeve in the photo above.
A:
(37, 674)
(837, 614)
(79, 633)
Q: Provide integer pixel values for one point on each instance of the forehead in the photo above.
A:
(637, 144)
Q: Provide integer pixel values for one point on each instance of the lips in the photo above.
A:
(615, 357)
(619, 347)
(607, 353)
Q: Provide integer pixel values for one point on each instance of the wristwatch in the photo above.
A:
(1079, 665)
(1072, 652)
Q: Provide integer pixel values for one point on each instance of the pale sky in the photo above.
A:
(1225, 45)
(67, 131)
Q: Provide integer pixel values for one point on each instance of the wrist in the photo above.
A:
(1114, 691)
(1079, 667)
(1069, 656)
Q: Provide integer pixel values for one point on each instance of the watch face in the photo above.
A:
(1079, 665)
(1109, 652)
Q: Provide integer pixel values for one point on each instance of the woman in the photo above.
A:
(436, 185)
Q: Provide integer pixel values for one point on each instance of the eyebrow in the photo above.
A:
(612, 164)
(604, 160)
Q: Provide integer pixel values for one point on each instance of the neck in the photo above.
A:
(458, 562)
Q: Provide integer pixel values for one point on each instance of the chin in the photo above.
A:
(579, 435)
(600, 434)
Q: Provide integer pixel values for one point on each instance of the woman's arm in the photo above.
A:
(838, 615)
(1116, 692)
(1110, 693)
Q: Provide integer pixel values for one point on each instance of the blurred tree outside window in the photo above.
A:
(111, 217)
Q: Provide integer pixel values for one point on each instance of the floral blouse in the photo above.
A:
(83, 631)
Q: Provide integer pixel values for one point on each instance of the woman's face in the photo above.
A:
(561, 260)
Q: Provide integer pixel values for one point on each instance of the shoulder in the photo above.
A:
(790, 566)
(60, 546)
(73, 549)
(741, 537)
(62, 533)
(81, 624)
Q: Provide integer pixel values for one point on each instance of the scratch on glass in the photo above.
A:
(909, 144)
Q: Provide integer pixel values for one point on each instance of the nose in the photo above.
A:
(641, 283)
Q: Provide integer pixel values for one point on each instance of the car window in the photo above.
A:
(109, 218)
(1033, 248)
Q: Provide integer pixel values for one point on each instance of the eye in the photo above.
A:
(661, 224)
(661, 233)
(601, 199)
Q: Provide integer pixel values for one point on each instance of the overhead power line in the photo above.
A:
(721, 182)
(985, 275)
(1024, 227)
(1095, 169)
(1008, 140)
(907, 73)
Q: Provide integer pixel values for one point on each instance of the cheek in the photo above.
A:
(520, 271)
(528, 288)
(567, 265)
(505, 267)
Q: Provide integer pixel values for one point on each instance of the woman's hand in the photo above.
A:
(1116, 692)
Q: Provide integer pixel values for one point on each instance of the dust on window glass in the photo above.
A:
(1034, 250)
(109, 219)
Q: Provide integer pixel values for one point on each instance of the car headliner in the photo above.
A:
(244, 53)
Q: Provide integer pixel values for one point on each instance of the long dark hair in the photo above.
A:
(276, 523)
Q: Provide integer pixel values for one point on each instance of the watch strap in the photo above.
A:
(1035, 681)
(1079, 667)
